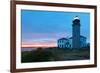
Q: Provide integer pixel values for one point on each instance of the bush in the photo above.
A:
(39, 55)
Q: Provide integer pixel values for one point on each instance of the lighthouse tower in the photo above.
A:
(76, 33)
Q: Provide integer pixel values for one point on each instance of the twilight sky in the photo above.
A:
(43, 28)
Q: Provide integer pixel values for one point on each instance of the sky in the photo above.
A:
(44, 28)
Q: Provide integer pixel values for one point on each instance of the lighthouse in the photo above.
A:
(76, 32)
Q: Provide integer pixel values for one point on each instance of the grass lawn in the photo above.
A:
(54, 54)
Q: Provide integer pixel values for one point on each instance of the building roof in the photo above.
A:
(80, 36)
(63, 39)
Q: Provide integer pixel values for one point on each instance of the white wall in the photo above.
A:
(5, 36)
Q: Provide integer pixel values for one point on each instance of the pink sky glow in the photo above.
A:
(38, 44)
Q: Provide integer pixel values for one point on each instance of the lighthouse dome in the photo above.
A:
(76, 18)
